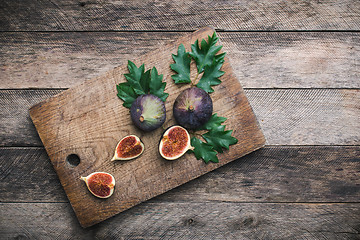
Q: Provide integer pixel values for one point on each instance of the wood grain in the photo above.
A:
(16, 126)
(286, 116)
(313, 117)
(88, 120)
(279, 192)
(259, 59)
(190, 220)
(97, 15)
(271, 175)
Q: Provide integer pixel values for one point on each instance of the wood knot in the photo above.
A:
(21, 237)
(246, 222)
(189, 222)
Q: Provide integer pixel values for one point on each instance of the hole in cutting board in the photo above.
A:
(73, 160)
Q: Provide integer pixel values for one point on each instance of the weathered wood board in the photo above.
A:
(88, 120)
(260, 59)
(147, 15)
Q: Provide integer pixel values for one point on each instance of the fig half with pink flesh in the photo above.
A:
(129, 147)
(174, 143)
(100, 184)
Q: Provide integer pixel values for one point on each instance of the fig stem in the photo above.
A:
(193, 82)
(83, 178)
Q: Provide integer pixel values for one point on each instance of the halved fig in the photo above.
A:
(174, 143)
(128, 148)
(100, 184)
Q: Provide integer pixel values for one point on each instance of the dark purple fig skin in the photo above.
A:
(193, 108)
(148, 112)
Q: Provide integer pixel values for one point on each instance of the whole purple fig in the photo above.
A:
(148, 112)
(193, 108)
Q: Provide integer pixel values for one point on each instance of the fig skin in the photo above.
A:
(193, 108)
(148, 112)
(174, 143)
(100, 184)
(129, 147)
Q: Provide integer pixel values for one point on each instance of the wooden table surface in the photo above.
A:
(299, 63)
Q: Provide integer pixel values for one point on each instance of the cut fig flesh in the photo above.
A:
(174, 143)
(128, 148)
(100, 184)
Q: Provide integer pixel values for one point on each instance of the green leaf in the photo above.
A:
(214, 122)
(220, 57)
(203, 150)
(145, 81)
(134, 78)
(211, 76)
(219, 139)
(205, 54)
(140, 82)
(181, 66)
(126, 93)
(157, 86)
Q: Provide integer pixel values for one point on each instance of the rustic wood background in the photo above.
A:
(89, 120)
(299, 63)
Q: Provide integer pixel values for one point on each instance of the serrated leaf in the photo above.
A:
(140, 82)
(181, 66)
(145, 81)
(219, 139)
(157, 86)
(134, 77)
(220, 57)
(203, 150)
(211, 76)
(126, 93)
(214, 122)
(205, 54)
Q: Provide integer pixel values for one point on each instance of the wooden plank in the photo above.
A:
(89, 120)
(302, 116)
(15, 126)
(63, 60)
(272, 174)
(187, 220)
(259, 59)
(280, 174)
(67, 15)
(28, 176)
(308, 117)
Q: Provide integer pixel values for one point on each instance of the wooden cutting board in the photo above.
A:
(89, 120)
